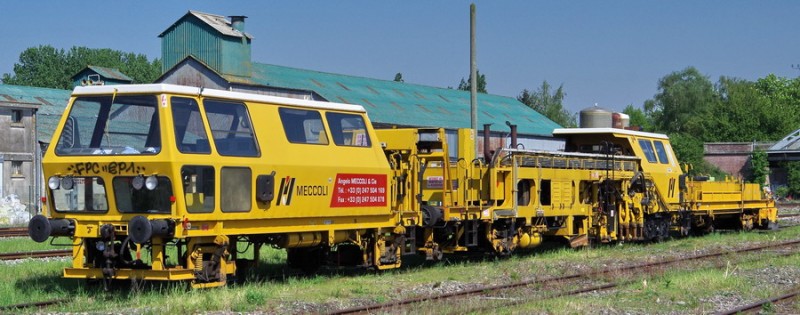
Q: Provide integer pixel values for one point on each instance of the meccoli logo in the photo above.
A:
(288, 188)
(285, 192)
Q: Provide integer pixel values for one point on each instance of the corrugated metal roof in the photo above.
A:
(51, 103)
(403, 103)
(789, 143)
(110, 73)
(218, 22)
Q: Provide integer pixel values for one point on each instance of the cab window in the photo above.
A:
(303, 126)
(647, 148)
(111, 125)
(236, 187)
(348, 130)
(662, 152)
(231, 128)
(190, 133)
(198, 188)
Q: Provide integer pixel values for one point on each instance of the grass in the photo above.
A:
(271, 288)
(20, 244)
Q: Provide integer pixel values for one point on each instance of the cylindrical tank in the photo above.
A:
(620, 120)
(596, 117)
(626, 120)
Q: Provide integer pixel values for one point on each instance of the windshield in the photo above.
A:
(111, 125)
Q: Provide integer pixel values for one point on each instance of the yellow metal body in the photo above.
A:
(326, 190)
(186, 174)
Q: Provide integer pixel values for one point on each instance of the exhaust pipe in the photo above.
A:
(487, 154)
(513, 134)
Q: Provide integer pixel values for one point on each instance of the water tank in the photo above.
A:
(620, 120)
(595, 117)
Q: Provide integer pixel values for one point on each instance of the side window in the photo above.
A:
(662, 153)
(190, 133)
(303, 126)
(236, 189)
(198, 188)
(231, 128)
(524, 192)
(348, 130)
(545, 193)
(647, 148)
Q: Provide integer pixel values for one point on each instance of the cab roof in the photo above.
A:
(587, 131)
(195, 91)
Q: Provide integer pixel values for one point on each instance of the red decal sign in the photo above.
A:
(359, 190)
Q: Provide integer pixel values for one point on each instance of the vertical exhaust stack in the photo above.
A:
(513, 127)
(487, 154)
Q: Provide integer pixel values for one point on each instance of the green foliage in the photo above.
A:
(45, 66)
(793, 177)
(684, 99)
(760, 167)
(549, 104)
(638, 117)
(466, 85)
(782, 192)
(692, 110)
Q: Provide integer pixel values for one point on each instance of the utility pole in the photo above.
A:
(473, 77)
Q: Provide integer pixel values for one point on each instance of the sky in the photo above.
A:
(609, 53)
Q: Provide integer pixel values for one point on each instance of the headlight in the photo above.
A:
(67, 183)
(151, 182)
(138, 182)
(53, 182)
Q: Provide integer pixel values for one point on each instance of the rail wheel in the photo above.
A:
(307, 259)
(656, 227)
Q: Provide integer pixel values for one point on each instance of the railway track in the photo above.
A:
(483, 290)
(16, 307)
(758, 305)
(13, 232)
(36, 254)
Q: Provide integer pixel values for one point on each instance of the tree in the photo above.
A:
(760, 166)
(638, 117)
(466, 85)
(549, 105)
(45, 66)
(42, 66)
(684, 99)
(398, 77)
(692, 110)
(793, 177)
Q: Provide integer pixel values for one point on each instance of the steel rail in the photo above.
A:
(484, 289)
(13, 232)
(761, 303)
(36, 254)
(33, 304)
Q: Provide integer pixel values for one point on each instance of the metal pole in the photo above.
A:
(473, 69)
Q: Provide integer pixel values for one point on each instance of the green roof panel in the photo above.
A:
(403, 103)
(51, 103)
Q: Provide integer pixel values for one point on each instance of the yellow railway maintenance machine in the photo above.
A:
(165, 182)
(162, 182)
(607, 185)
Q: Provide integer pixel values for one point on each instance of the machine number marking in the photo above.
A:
(114, 168)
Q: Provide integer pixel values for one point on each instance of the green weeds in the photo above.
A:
(273, 288)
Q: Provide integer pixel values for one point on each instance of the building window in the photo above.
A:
(16, 168)
(16, 116)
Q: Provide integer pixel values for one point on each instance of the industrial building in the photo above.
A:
(210, 51)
